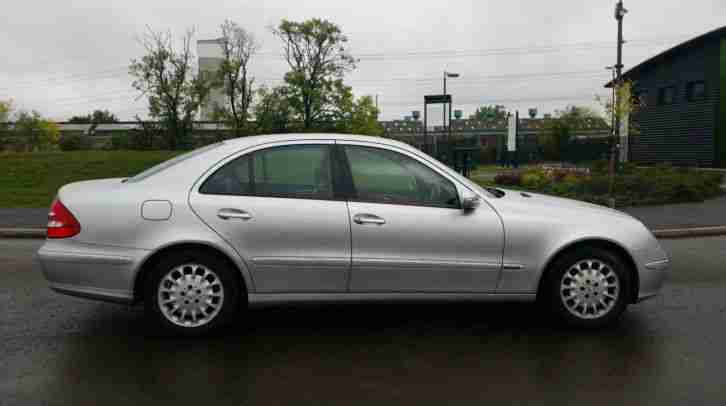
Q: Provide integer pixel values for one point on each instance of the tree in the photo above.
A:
(37, 133)
(273, 111)
(316, 52)
(363, 118)
(556, 134)
(6, 107)
(490, 113)
(164, 75)
(238, 47)
(97, 117)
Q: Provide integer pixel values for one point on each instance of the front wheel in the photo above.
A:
(191, 293)
(589, 287)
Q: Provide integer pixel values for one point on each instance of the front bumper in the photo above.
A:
(91, 271)
(652, 275)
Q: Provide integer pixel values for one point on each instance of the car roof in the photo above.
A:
(198, 164)
(244, 142)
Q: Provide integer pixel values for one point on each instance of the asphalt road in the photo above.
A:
(669, 350)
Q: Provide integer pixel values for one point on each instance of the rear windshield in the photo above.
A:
(171, 162)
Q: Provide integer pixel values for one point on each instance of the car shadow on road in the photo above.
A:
(345, 353)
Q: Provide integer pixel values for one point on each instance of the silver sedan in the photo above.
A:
(321, 217)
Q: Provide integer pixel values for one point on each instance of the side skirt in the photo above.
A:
(263, 299)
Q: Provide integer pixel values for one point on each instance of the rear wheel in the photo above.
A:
(589, 287)
(191, 293)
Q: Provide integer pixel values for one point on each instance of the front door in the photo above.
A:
(276, 206)
(409, 233)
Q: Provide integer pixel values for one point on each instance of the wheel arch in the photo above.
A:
(154, 258)
(601, 243)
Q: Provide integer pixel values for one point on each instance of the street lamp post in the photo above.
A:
(447, 75)
(443, 123)
(620, 12)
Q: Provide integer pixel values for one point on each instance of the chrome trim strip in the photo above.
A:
(512, 267)
(83, 258)
(300, 261)
(107, 295)
(278, 298)
(658, 265)
(416, 263)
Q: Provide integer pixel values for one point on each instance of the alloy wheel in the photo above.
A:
(190, 295)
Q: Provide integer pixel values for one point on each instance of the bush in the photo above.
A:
(74, 142)
(633, 186)
(508, 179)
(119, 142)
(536, 180)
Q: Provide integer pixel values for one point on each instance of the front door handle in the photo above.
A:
(226, 214)
(365, 218)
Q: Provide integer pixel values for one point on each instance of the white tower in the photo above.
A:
(209, 53)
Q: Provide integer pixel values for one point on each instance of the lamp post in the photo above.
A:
(620, 12)
(447, 75)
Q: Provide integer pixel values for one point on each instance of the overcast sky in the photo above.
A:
(70, 57)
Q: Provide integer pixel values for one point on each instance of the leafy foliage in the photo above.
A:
(556, 134)
(97, 117)
(274, 113)
(6, 107)
(490, 113)
(35, 132)
(633, 186)
(164, 75)
(363, 118)
(73, 141)
(316, 52)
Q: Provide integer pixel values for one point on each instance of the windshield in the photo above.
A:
(171, 162)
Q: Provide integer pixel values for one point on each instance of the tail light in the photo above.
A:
(61, 223)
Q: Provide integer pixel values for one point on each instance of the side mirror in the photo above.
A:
(470, 202)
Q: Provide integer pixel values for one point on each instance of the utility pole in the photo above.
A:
(620, 12)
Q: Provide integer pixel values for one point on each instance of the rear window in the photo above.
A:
(168, 164)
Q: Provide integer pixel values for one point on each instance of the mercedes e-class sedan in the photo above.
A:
(321, 217)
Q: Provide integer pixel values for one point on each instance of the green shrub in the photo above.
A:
(535, 180)
(508, 179)
(633, 186)
(74, 142)
(119, 142)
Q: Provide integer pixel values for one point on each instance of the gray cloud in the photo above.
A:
(65, 58)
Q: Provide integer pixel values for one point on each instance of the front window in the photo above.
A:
(384, 176)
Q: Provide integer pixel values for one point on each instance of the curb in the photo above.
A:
(38, 233)
(666, 233)
(690, 232)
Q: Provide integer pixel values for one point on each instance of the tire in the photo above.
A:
(200, 293)
(589, 287)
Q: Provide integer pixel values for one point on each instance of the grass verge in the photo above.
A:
(32, 179)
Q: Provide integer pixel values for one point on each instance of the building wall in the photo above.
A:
(210, 56)
(683, 132)
(720, 142)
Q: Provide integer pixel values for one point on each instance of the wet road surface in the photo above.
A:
(670, 350)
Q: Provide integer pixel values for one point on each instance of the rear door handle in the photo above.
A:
(226, 214)
(365, 218)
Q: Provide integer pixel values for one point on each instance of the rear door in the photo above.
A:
(277, 206)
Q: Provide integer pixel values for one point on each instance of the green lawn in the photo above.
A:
(32, 179)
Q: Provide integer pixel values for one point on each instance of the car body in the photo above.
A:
(339, 237)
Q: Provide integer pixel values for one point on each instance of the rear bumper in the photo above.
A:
(91, 271)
